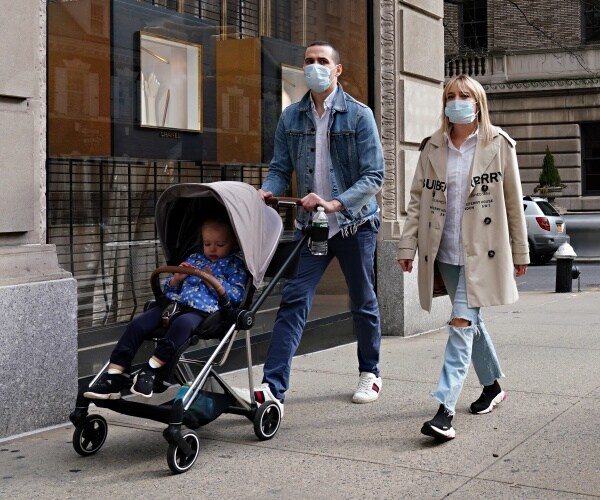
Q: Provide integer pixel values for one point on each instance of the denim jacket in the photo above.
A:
(357, 169)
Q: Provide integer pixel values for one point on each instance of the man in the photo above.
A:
(331, 141)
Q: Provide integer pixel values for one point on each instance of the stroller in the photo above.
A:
(204, 395)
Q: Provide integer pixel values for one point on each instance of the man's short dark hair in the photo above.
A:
(321, 43)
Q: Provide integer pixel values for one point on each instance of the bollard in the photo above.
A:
(565, 274)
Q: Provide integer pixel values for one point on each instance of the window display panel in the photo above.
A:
(293, 86)
(170, 83)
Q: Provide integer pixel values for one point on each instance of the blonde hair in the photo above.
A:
(483, 116)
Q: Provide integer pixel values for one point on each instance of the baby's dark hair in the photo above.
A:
(220, 221)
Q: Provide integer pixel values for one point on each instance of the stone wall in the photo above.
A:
(410, 75)
(38, 337)
(534, 24)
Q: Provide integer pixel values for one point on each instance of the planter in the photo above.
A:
(550, 192)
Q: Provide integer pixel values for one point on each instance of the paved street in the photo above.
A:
(543, 278)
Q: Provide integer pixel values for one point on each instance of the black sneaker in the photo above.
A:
(491, 396)
(440, 426)
(108, 386)
(143, 383)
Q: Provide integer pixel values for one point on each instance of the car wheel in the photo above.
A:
(544, 259)
(533, 257)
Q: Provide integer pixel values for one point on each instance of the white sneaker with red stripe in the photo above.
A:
(368, 389)
(263, 394)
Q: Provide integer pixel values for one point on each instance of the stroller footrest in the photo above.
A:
(158, 413)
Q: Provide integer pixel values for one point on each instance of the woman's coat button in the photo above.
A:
(491, 253)
(484, 188)
(487, 220)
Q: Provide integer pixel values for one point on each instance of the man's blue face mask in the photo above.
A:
(462, 112)
(317, 78)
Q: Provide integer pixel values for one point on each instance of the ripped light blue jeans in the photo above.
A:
(465, 344)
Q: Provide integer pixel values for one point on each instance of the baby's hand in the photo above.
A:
(179, 277)
(208, 271)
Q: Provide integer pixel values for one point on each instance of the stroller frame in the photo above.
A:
(91, 429)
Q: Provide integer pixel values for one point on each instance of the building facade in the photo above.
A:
(539, 62)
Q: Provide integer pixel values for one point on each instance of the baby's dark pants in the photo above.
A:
(143, 327)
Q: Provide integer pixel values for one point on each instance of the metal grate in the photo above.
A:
(101, 219)
(242, 16)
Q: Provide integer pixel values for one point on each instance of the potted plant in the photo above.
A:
(549, 183)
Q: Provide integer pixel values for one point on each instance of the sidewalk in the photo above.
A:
(543, 442)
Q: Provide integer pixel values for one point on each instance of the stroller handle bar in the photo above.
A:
(283, 200)
(209, 279)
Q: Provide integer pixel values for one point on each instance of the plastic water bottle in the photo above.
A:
(319, 233)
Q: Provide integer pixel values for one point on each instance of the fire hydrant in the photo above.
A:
(565, 271)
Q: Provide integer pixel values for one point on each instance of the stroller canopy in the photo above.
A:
(181, 209)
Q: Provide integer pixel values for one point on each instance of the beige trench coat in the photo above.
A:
(494, 234)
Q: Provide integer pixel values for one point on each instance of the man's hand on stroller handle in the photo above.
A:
(309, 203)
(264, 194)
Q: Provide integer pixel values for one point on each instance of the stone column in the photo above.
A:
(411, 75)
(38, 299)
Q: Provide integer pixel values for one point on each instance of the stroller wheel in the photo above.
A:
(267, 420)
(176, 458)
(88, 439)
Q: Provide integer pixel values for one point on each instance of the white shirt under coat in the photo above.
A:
(323, 165)
(459, 165)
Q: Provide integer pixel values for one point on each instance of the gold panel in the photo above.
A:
(79, 114)
(238, 101)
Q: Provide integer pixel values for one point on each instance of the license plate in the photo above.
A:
(559, 228)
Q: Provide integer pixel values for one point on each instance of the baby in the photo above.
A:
(219, 257)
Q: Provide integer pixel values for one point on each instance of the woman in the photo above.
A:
(465, 217)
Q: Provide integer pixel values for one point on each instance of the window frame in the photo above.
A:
(588, 131)
(590, 7)
(473, 4)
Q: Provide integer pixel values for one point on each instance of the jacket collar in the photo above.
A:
(339, 101)
(438, 155)
(484, 154)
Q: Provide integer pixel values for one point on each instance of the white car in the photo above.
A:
(546, 229)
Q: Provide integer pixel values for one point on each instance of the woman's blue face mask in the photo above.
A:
(461, 112)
